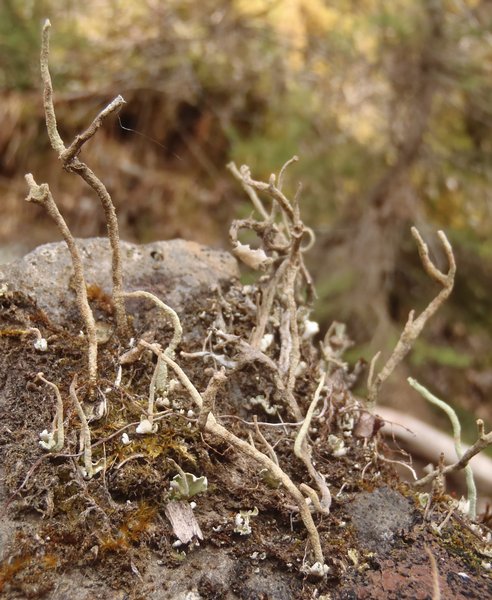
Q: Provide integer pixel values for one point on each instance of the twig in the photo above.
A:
(399, 462)
(167, 310)
(216, 382)
(51, 126)
(266, 443)
(253, 196)
(271, 189)
(218, 358)
(128, 459)
(265, 309)
(281, 175)
(75, 147)
(159, 378)
(372, 366)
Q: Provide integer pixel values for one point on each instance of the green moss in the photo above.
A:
(460, 542)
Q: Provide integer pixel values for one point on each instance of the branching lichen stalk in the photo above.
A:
(72, 164)
(41, 194)
(304, 452)
(58, 427)
(453, 417)
(49, 110)
(414, 326)
(211, 426)
(161, 372)
(85, 432)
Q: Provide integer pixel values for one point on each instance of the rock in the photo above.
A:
(380, 516)
(175, 271)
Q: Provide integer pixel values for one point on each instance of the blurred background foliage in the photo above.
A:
(386, 103)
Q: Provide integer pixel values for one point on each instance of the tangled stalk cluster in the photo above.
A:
(285, 244)
(284, 299)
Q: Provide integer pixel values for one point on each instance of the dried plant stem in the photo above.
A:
(217, 381)
(152, 388)
(211, 426)
(271, 189)
(264, 311)
(167, 310)
(372, 366)
(40, 194)
(413, 327)
(49, 110)
(160, 376)
(71, 163)
(295, 350)
(114, 239)
(281, 175)
(76, 146)
(264, 441)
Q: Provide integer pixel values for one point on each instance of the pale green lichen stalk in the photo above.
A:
(453, 417)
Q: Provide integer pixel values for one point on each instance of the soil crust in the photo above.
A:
(108, 537)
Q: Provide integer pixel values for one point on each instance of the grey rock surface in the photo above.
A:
(380, 515)
(173, 270)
